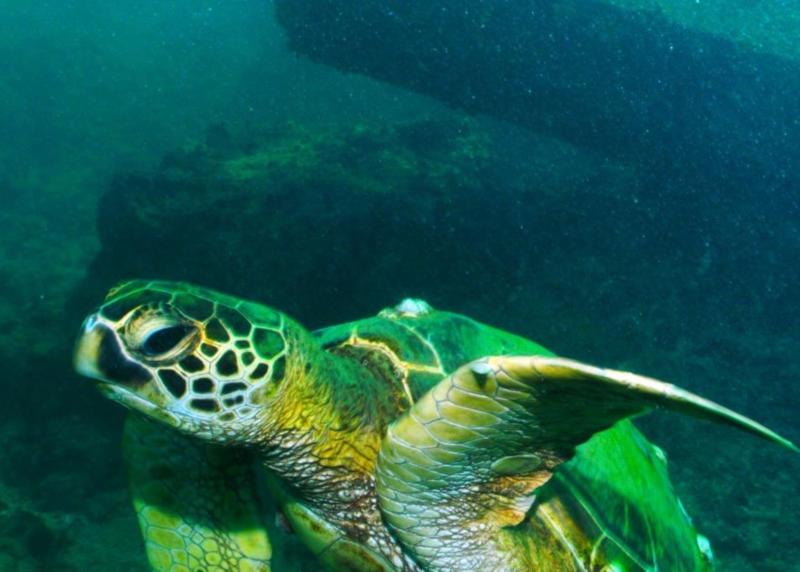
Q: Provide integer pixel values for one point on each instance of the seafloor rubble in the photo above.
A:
(334, 223)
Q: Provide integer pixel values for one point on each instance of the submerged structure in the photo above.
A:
(313, 219)
(630, 84)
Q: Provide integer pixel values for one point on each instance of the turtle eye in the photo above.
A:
(157, 333)
(164, 339)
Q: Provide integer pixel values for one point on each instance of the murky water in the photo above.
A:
(615, 180)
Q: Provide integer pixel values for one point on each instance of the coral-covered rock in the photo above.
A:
(312, 221)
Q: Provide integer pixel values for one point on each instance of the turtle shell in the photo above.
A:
(612, 507)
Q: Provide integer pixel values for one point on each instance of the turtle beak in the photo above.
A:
(98, 355)
(87, 350)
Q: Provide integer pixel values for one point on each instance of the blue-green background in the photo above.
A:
(586, 255)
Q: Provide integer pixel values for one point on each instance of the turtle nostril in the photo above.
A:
(89, 323)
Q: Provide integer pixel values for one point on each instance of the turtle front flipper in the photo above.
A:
(459, 471)
(197, 503)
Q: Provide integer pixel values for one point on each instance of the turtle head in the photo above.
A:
(203, 362)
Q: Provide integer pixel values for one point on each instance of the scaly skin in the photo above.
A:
(563, 523)
(381, 451)
(321, 440)
(181, 489)
(242, 375)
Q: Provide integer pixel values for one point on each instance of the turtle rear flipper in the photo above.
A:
(196, 503)
(460, 469)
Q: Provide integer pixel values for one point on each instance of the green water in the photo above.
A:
(187, 140)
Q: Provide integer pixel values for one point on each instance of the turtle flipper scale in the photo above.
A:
(459, 471)
(196, 503)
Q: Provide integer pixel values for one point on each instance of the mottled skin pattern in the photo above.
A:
(179, 498)
(380, 449)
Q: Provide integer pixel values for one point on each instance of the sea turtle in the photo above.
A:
(413, 440)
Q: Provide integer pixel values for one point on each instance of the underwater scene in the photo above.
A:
(274, 276)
